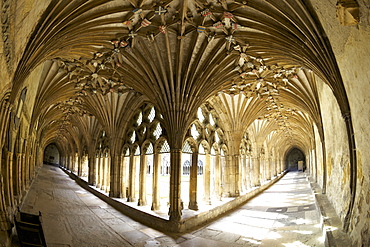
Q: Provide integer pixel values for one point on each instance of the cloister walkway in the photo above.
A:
(284, 215)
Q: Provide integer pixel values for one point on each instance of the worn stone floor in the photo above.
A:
(284, 215)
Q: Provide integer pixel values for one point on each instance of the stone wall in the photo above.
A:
(351, 47)
(337, 154)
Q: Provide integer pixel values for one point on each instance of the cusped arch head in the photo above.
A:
(160, 145)
(205, 146)
(224, 149)
(215, 149)
(147, 147)
(192, 145)
(126, 150)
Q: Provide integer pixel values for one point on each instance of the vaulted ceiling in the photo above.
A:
(250, 59)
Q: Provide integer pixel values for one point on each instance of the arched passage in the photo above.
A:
(51, 155)
(295, 160)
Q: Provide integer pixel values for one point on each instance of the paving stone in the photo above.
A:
(75, 217)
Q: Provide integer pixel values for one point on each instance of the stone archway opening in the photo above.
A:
(295, 160)
(51, 155)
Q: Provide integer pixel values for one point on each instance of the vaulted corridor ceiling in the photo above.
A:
(254, 59)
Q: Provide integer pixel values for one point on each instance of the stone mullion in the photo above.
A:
(218, 180)
(142, 181)
(123, 176)
(107, 173)
(101, 172)
(132, 178)
(193, 204)
(175, 185)
(156, 189)
(207, 179)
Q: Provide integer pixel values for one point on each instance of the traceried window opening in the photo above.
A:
(158, 131)
(133, 137)
(211, 120)
(201, 150)
(187, 148)
(186, 168)
(165, 168)
(200, 115)
(127, 152)
(217, 138)
(165, 148)
(194, 131)
(150, 149)
(139, 119)
(151, 114)
(200, 167)
(137, 151)
(149, 166)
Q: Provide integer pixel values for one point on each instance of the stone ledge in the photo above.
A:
(331, 225)
(183, 225)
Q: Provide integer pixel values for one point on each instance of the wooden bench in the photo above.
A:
(29, 229)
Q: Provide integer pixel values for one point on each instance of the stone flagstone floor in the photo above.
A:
(285, 215)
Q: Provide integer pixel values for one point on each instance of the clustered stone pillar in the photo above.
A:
(92, 170)
(175, 186)
(115, 181)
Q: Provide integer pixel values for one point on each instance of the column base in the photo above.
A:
(193, 206)
(5, 239)
(175, 216)
(155, 207)
(141, 203)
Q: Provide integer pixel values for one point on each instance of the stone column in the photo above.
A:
(142, 184)
(218, 176)
(17, 175)
(92, 170)
(24, 172)
(132, 178)
(115, 177)
(242, 173)
(235, 176)
(100, 172)
(248, 172)
(207, 179)
(124, 164)
(193, 204)
(175, 185)
(80, 160)
(256, 172)
(104, 173)
(156, 188)
(107, 174)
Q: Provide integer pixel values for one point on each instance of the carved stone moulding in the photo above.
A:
(348, 12)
